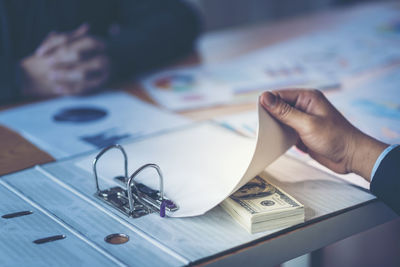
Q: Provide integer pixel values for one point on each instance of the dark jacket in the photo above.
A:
(386, 181)
(153, 32)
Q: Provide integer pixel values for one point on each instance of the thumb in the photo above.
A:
(80, 31)
(284, 112)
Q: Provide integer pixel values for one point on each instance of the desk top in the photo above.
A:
(63, 192)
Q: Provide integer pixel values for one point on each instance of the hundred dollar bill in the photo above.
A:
(260, 206)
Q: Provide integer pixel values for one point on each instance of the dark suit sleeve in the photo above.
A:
(386, 181)
(152, 32)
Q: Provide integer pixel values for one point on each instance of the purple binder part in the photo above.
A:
(170, 204)
(166, 203)
(162, 208)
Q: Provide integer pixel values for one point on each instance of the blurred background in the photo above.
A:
(220, 14)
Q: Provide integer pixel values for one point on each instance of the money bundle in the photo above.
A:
(259, 206)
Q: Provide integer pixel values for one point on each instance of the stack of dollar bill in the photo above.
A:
(259, 206)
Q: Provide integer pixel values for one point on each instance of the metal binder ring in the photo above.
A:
(130, 180)
(96, 159)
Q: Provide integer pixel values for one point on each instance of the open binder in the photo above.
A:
(196, 167)
(134, 199)
(59, 215)
(61, 197)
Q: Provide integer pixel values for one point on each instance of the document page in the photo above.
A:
(69, 126)
(201, 165)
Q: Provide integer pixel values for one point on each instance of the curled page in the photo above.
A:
(273, 140)
(203, 164)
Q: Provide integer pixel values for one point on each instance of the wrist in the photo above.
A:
(366, 152)
(33, 73)
(26, 81)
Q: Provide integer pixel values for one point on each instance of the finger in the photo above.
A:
(55, 40)
(306, 100)
(50, 44)
(87, 43)
(85, 70)
(66, 76)
(78, 80)
(40, 50)
(79, 32)
(64, 59)
(284, 112)
(82, 87)
(290, 96)
(79, 51)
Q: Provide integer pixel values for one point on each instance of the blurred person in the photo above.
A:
(334, 142)
(64, 47)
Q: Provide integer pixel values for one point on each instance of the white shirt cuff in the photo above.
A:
(380, 158)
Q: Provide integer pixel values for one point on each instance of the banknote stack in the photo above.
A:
(259, 206)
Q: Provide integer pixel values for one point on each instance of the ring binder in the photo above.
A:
(136, 199)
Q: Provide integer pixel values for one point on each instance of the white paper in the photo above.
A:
(323, 60)
(374, 107)
(361, 43)
(121, 117)
(244, 123)
(233, 82)
(203, 164)
(186, 88)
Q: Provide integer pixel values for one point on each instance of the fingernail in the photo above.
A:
(269, 99)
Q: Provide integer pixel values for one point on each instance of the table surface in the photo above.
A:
(16, 153)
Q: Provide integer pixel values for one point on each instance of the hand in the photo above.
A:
(66, 63)
(323, 132)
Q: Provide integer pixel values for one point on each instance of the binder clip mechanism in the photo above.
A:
(133, 199)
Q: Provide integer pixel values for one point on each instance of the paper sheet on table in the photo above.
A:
(374, 107)
(233, 82)
(70, 126)
(244, 123)
(201, 165)
(321, 60)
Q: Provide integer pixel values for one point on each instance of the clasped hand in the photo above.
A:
(65, 64)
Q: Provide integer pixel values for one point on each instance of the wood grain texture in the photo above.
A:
(16, 153)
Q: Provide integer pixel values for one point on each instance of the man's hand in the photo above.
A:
(323, 132)
(66, 63)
